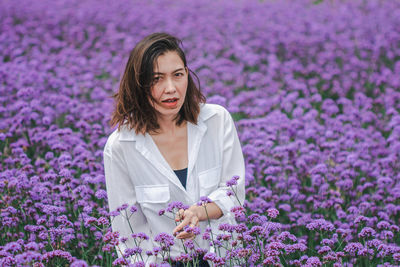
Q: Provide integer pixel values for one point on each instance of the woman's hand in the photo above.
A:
(192, 216)
(188, 217)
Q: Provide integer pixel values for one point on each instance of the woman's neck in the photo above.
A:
(168, 126)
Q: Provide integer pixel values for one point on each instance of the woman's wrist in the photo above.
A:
(213, 211)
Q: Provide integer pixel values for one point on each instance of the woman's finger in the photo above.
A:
(185, 235)
(191, 237)
(194, 221)
(179, 215)
(188, 234)
(180, 226)
(190, 219)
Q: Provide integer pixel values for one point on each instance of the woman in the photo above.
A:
(169, 146)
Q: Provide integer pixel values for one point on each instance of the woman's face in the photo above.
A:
(170, 83)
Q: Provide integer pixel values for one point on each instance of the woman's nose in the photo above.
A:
(169, 86)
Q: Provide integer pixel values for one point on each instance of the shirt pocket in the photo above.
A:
(152, 194)
(209, 180)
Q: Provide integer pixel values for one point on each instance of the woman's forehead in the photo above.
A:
(168, 62)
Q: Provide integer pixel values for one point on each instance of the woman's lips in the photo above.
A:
(171, 103)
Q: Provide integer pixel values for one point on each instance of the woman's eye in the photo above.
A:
(156, 79)
(179, 74)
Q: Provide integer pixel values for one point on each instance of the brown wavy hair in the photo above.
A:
(133, 107)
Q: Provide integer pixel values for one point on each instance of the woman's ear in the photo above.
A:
(187, 70)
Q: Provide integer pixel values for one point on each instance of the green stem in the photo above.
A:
(234, 192)
(130, 227)
(259, 247)
(212, 235)
(122, 254)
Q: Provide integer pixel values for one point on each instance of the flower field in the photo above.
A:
(314, 89)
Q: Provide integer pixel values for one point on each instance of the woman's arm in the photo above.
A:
(120, 190)
(232, 165)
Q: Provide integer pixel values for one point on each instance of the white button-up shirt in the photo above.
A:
(137, 174)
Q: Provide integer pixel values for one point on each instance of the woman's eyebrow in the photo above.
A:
(160, 73)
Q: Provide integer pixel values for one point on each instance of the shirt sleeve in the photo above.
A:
(232, 165)
(120, 190)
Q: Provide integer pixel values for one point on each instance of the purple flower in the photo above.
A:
(176, 205)
(271, 260)
(189, 244)
(320, 224)
(327, 242)
(313, 261)
(13, 247)
(31, 246)
(226, 227)
(396, 256)
(8, 261)
(324, 249)
(161, 212)
(383, 225)
(122, 207)
(232, 181)
(48, 256)
(111, 237)
(386, 235)
(102, 221)
(142, 236)
(203, 201)
(114, 213)
(291, 248)
(101, 194)
(119, 262)
(272, 213)
(239, 213)
(133, 209)
(196, 230)
(206, 236)
(210, 256)
(395, 228)
(149, 253)
(156, 250)
(132, 251)
(352, 248)
(286, 235)
(165, 240)
(367, 232)
(240, 228)
(79, 263)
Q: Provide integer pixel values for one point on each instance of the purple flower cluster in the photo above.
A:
(313, 88)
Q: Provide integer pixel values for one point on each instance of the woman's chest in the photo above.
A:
(174, 152)
(174, 149)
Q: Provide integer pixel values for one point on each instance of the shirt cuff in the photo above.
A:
(225, 203)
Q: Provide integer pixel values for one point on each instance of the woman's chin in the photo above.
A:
(169, 113)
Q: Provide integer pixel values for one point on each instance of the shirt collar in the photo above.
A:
(126, 134)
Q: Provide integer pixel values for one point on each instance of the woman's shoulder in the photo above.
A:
(117, 137)
(112, 142)
(209, 110)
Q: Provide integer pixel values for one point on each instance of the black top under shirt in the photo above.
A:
(182, 174)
